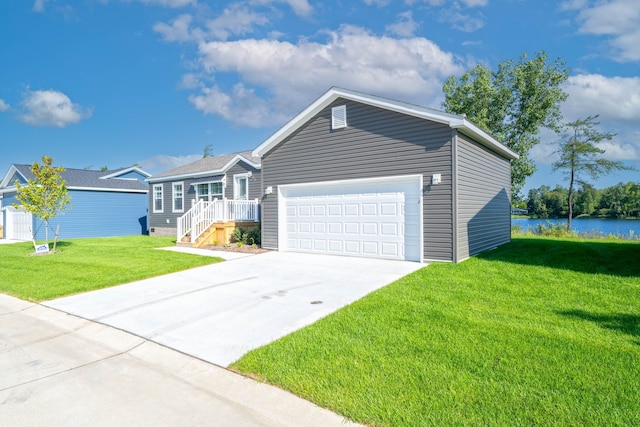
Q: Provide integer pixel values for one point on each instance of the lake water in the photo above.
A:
(617, 227)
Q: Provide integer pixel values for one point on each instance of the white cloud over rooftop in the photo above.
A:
(50, 108)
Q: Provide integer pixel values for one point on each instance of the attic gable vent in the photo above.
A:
(339, 117)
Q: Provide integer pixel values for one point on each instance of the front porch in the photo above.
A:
(213, 223)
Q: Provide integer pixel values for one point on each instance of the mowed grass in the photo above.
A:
(538, 332)
(87, 264)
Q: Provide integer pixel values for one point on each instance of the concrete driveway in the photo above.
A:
(219, 312)
(60, 370)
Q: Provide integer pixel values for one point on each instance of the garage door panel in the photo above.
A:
(319, 210)
(320, 245)
(351, 209)
(359, 219)
(370, 229)
(304, 210)
(389, 209)
(336, 246)
(304, 227)
(369, 209)
(351, 228)
(390, 249)
(389, 229)
(370, 248)
(304, 244)
(319, 227)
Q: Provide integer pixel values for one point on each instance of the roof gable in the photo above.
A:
(132, 172)
(214, 165)
(11, 176)
(461, 123)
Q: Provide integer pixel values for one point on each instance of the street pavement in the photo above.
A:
(60, 370)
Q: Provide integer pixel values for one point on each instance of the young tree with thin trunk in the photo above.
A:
(580, 154)
(45, 195)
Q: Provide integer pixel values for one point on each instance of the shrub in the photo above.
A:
(246, 237)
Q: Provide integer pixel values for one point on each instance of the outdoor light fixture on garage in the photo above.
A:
(436, 179)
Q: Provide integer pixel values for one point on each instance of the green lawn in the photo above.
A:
(87, 264)
(538, 332)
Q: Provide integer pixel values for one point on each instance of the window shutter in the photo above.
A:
(339, 117)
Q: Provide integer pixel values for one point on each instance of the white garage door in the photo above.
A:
(367, 218)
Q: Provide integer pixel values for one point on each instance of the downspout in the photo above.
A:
(454, 192)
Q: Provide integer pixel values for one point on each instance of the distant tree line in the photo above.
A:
(618, 201)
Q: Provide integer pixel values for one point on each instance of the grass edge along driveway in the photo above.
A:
(538, 332)
(83, 265)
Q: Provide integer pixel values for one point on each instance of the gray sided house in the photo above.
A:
(103, 204)
(360, 175)
(230, 180)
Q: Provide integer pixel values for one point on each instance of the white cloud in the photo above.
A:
(617, 102)
(574, 4)
(235, 20)
(51, 108)
(170, 3)
(619, 150)
(190, 81)
(454, 3)
(410, 69)
(4, 106)
(174, 4)
(299, 7)
(404, 26)
(475, 3)
(613, 98)
(161, 163)
(617, 19)
(177, 31)
(461, 21)
(241, 106)
(379, 3)
(39, 5)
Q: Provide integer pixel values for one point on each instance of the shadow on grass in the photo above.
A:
(62, 244)
(622, 322)
(586, 256)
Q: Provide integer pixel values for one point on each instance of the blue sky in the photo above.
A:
(115, 82)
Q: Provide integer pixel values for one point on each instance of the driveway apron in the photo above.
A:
(220, 312)
(60, 370)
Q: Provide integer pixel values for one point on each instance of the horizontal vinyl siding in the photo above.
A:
(168, 218)
(484, 192)
(8, 199)
(100, 214)
(375, 143)
(254, 181)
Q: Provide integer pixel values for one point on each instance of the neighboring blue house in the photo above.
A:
(103, 203)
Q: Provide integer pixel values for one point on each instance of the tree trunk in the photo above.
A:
(573, 173)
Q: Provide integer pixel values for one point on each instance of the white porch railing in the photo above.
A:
(200, 217)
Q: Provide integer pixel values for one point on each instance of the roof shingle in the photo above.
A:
(213, 164)
(82, 178)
